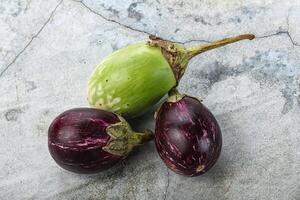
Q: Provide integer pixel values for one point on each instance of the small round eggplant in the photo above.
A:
(87, 140)
(136, 77)
(187, 135)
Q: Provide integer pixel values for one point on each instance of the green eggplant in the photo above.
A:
(136, 77)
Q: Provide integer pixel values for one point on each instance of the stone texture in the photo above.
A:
(20, 22)
(48, 49)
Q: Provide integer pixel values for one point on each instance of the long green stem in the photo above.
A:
(193, 51)
(178, 56)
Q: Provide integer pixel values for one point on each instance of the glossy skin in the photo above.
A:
(187, 136)
(76, 138)
(130, 80)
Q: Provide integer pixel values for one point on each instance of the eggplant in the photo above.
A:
(87, 140)
(187, 135)
(134, 78)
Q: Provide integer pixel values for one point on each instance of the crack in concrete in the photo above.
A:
(111, 20)
(31, 40)
(167, 186)
(136, 30)
(280, 33)
(257, 37)
(129, 27)
(184, 42)
(284, 32)
(228, 188)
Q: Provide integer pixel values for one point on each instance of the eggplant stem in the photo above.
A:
(174, 95)
(137, 138)
(193, 51)
(173, 91)
(123, 139)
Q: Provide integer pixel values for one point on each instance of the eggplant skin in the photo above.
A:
(187, 136)
(76, 138)
(130, 80)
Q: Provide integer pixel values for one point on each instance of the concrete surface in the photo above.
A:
(48, 49)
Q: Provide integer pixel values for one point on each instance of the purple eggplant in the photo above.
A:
(87, 140)
(187, 135)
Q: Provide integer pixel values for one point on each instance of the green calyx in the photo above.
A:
(174, 95)
(123, 139)
(175, 54)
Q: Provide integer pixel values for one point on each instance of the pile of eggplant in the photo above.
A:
(124, 86)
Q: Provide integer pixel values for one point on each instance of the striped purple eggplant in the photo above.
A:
(87, 140)
(187, 135)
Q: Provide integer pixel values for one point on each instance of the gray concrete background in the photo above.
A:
(49, 48)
